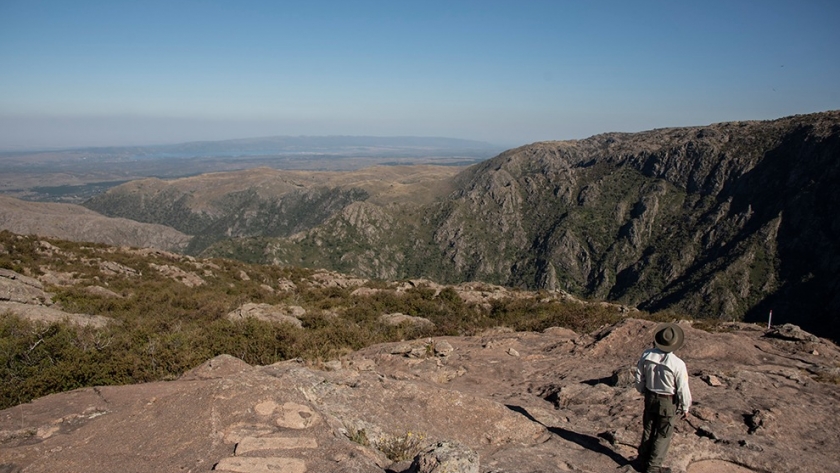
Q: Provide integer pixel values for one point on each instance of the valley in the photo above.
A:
(75, 175)
(307, 308)
(727, 221)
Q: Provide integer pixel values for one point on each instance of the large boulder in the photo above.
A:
(791, 332)
(446, 457)
(16, 287)
(398, 318)
(269, 313)
(25, 297)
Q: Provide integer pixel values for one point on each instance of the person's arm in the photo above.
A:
(683, 392)
(640, 375)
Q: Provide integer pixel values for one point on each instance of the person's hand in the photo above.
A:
(684, 416)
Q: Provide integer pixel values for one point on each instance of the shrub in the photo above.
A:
(401, 447)
(164, 328)
(358, 436)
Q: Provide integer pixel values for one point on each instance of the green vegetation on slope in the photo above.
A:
(725, 221)
(237, 214)
(163, 327)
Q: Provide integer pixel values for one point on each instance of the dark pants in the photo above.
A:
(659, 417)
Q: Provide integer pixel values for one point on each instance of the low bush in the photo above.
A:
(401, 447)
(163, 327)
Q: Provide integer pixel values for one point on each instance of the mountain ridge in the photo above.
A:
(724, 221)
(730, 220)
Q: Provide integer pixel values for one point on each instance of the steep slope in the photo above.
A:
(265, 202)
(724, 221)
(73, 222)
(729, 220)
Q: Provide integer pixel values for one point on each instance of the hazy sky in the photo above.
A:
(76, 73)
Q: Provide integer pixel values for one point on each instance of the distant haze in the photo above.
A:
(83, 73)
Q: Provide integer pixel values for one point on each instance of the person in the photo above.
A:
(662, 377)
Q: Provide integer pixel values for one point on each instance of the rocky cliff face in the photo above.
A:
(728, 221)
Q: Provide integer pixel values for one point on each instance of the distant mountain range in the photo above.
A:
(727, 221)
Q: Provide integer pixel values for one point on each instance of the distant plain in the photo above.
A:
(75, 175)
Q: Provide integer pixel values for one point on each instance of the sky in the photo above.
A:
(101, 73)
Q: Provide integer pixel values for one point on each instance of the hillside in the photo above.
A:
(266, 202)
(725, 221)
(74, 222)
(85, 314)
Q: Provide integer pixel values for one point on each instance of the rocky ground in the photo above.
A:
(25, 297)
(499, 402)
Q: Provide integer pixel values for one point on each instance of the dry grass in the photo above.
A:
(401, 447)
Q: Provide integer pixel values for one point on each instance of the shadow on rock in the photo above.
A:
(588, 442)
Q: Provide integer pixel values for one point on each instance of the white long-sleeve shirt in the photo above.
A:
(664, 373)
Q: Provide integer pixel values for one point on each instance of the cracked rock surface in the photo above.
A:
(563, 404)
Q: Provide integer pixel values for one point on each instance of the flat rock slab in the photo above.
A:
(554, 408)
(717, 466)
(48, 315)
(295, 416)
(254, 444)
(261, 465)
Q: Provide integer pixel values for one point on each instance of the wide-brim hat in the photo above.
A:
(669, 337)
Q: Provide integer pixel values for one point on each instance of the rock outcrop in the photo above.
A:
(22, 289)
(473, 408)
(25, 297)
(446, 457)
(398, 318)
(269, 313)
